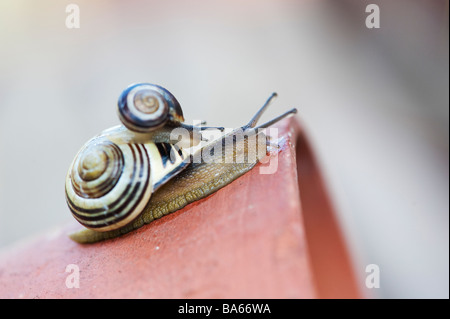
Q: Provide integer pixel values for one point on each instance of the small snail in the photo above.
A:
(131, 174)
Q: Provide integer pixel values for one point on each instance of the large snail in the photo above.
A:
(134, 173)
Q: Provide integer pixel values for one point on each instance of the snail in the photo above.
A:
(134, 173)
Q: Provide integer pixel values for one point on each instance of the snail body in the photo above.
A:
(132, 174)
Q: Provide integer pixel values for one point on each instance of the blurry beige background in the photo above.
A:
(375, 103)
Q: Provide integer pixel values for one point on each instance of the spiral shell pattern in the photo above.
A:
(98, 169)
(108, 185)
(143, 108)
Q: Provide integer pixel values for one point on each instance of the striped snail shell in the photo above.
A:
(108, 185)
(146, 107)
(111, 179)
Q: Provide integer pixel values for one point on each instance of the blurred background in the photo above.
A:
(374, 102)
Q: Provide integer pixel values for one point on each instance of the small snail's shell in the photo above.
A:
(146, 107)
(108, 185)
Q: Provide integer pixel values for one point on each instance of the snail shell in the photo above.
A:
(111, 180)
(146, 107)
